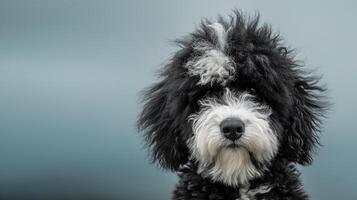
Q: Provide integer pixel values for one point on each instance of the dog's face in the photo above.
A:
(234, 136)
(233, 101)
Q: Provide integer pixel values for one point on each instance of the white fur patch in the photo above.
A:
(213, 65)
(216, 160)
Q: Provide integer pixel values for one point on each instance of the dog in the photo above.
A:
(234, 113)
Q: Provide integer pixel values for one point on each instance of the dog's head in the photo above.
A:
(232, 100)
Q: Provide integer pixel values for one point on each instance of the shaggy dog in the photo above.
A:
(233, 114)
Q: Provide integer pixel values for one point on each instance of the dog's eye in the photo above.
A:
(252, 90)
(300, 86)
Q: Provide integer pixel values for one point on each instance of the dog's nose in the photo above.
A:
(232, 128)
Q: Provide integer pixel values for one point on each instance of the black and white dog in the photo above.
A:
(233, 114)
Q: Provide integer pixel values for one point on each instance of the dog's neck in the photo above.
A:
(190, 176)
(281, 179)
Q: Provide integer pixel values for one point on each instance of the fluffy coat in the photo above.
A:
(243, 56)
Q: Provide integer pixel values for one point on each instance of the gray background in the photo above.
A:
(70, 73)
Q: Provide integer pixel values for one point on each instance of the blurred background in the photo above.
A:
(71, 72)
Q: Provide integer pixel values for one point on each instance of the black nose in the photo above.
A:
(232, 128)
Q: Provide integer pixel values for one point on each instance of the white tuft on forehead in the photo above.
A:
(212, 65)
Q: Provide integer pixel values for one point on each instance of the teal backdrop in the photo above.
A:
(71, 72)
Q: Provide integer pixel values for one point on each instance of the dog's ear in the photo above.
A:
(163, 119)
(307, 111)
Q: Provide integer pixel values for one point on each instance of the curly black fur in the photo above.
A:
(283, 180)
(262, 63)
